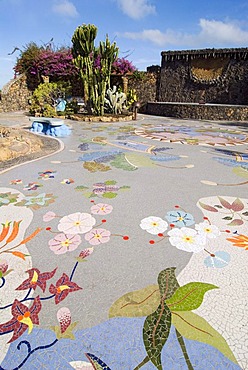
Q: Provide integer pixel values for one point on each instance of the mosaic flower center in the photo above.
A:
(66, 243)
(188, 239)
(154, 224)
(34, 200)
(21, 317)
(207, 230)
(61, 288)
(77, 223)
(34, 278)
(180, 218)
(97, 236)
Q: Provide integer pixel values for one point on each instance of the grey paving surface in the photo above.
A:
(138, 232)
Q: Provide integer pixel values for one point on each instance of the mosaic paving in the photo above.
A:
(127, 250)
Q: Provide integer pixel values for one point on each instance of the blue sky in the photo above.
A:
(141, 28)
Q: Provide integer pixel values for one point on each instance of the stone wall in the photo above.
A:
(15, 95)
(146, 87)
(211, 75)
(198, 111)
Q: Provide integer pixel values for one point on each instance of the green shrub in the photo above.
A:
(72, 107)
(139, 75)
(131, 98)
(43, 101)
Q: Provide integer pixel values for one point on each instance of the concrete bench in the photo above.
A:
(49, 126)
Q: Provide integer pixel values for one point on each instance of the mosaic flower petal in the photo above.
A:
(63, 243)
(98, 236)
(153, 225)
(210, 231)
(187, 239)
(101, 209)
(76, 223)
(219, 260)
(180, 218)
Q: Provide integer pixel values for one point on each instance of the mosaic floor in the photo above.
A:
(127, 249)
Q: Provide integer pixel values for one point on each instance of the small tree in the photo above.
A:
(28, 58)
(38, 61)
(45, 96)
(94, 64)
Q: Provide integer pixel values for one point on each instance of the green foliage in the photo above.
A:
(167, 304)
(115, 101)
(194, 327)
(72, 107)
(139, 75)
(45, 60)
(94, 64)
(138, 303)
(44, 97)
(189, 297)
(156, 331)
(131, 98)
(28, 57)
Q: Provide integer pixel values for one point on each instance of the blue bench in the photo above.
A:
(49, 126)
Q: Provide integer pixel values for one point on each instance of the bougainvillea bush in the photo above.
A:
(39, 61)
(123, 66)
(54, 64)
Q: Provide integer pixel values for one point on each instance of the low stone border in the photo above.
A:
(50, 146)
(106, 118)
(212, 112)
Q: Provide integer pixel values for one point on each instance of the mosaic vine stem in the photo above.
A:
(184, 350)
(26, 298)
(2, 282)
(146, 359)
(30, 351)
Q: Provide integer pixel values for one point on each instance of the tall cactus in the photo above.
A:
(82, 50)
(96, 78)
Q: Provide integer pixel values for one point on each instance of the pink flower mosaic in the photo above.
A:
(101, 209)
(63, 243)
(98, 236)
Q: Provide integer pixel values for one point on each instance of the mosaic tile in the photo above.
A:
(143, 268)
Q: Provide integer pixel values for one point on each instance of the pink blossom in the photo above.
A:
(85, 253)
(3, 266)
(64, 318)
(49, 216)
(98, 236)
(76, 223)
(63, 243)
(101, 209)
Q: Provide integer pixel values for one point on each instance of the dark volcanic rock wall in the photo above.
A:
(222, 85)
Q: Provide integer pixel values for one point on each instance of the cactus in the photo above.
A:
(131, 98)
(82, 51)
(96, 78)
(115, 102)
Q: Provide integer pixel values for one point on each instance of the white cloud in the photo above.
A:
(223, 32)
(155, 36)
(136, 9)
(212, 33)
(65, 8)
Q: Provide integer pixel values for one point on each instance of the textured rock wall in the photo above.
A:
(198, 111)
(146, 87)
(15, 95)
(178, 85)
